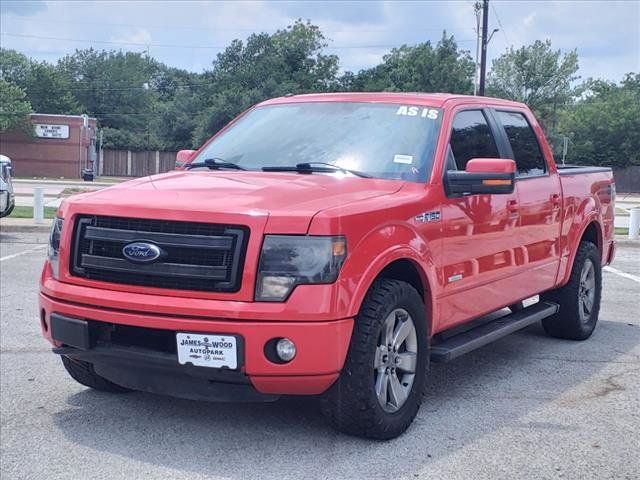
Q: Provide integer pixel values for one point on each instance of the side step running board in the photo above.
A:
(480, 336)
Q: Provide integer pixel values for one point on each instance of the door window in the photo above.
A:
(526, 150)
(471, 137)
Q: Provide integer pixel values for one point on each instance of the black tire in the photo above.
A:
(83, 373)
(572, 322)
(351, 405)
(8, 211)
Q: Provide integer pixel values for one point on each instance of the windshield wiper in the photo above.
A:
(215, 163)
(311, 167)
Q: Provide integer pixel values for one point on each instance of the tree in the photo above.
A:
(13, 66)
(604, 124)
(265, 66)
(420, 68)
(14, 108)
(46, 88)
(49, 91)
(535, 75)
(176, 107)
(114, 86)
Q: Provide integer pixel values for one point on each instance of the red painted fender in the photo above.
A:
(380, 248)
(586, 215)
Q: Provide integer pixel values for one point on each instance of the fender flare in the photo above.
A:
(404, 244)
(577, 233)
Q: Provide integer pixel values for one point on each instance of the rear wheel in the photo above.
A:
(380, 388)
(83, 373)
(579, 299)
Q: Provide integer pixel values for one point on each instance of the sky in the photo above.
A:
(188, 34)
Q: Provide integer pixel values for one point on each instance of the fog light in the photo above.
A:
(286, 349)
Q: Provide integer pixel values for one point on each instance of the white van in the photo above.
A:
(7, 199)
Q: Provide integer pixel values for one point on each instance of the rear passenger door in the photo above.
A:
(539, 194)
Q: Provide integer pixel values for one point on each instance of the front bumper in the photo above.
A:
(321, 352)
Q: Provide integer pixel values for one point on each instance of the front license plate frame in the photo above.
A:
(209, 350)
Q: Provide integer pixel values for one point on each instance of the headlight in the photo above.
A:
(288, 260)
(54, 246)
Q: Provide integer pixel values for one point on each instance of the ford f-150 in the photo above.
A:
(332, 245)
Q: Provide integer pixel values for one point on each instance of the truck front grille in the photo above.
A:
(195, 256)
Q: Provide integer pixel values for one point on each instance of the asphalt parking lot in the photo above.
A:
(528, 406)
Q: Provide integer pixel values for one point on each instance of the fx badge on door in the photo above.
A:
(426, 217)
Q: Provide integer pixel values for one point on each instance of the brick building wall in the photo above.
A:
(50, 157)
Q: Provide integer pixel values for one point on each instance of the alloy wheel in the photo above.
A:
(395, 361)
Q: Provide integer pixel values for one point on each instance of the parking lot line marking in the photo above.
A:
(9, 257)
(635, 278)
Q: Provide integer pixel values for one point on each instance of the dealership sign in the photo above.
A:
(52, 131)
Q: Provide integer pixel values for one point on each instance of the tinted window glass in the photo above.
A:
(383, 140)
(524, 144)
(472, 138)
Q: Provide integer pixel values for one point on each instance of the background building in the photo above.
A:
(62, 146)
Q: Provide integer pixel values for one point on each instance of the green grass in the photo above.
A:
(622, 231)
(27, 212)
(621, 212)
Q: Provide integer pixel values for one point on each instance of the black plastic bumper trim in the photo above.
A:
(70, 331)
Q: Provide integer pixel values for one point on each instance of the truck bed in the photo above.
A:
(580, 169)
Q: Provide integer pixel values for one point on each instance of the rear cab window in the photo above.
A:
(527, 154)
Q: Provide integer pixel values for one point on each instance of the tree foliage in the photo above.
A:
(604, 124)
(142, 104)
(420, 68)
(14, 108)
(47, 90)
(114, 86)
(536, 75)
(265, 66)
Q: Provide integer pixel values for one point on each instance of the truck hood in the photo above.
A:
(286, 198)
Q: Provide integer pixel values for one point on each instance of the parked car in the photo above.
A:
(332, 245)
(7, 199)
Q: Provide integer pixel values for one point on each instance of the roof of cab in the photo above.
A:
(437, 100)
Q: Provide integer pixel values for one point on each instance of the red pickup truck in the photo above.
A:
(332, 245)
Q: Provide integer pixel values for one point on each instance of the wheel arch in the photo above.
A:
(591, 231)
(404, 266)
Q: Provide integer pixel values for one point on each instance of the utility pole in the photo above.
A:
(477, 7)
(483, 54)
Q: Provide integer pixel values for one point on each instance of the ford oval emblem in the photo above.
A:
(141, 252)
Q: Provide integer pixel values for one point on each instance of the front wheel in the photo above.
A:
(579, 299)
(380, 388)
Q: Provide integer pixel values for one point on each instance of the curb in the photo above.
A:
(30, 195)
(64, 182)
(25, 228)
(628, 243)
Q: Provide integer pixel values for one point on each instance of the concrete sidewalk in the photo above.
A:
(54, 190)
(17, 225)
(102, 181)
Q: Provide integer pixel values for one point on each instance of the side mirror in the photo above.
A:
(482, 175)
(183, 158)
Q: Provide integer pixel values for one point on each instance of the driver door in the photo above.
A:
(480, 245)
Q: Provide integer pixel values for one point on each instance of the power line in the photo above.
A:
(504, 32)
(232, 29)
(166, 45)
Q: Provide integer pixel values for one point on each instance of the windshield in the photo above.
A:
(382, 140)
